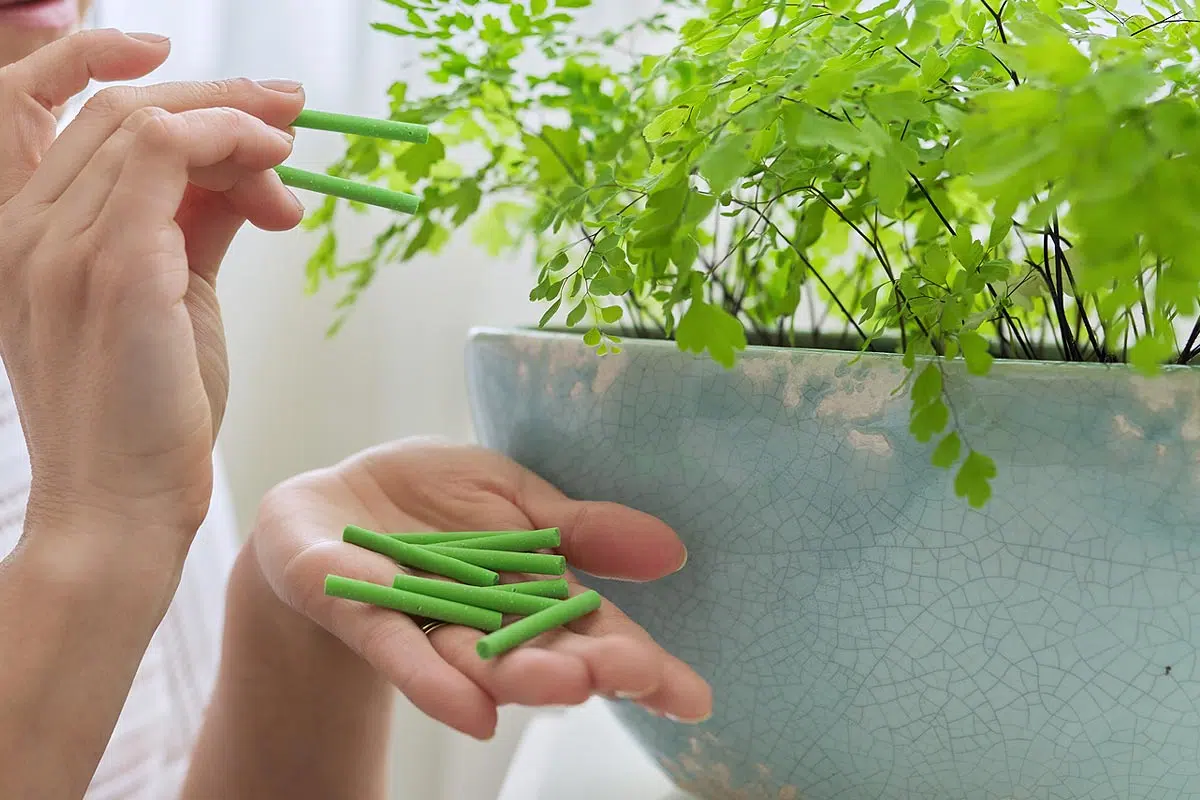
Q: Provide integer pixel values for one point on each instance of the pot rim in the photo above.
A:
(483, 332)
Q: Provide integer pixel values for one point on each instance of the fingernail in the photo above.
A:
(152, 38)
(634, 695)
(299, 205)
(682, 721)
(285, 135)
(281, 85)
(684, 562)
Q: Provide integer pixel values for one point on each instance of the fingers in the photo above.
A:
(259, 197)
(530, 676)
(681, 694)
(604, 539)
(277, 104)
(149, 163)
(51, 76)
(604, 654)
(565, 668)
(210, 219)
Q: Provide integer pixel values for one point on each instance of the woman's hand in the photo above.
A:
(419, 486)
(110, 241)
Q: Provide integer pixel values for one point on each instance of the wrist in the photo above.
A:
(95, 557)
(165, 517)
(256, 608)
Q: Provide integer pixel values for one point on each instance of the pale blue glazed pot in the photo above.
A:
(868, 635)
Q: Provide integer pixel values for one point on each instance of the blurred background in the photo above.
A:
(300, 400)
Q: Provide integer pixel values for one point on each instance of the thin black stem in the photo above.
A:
(1012, 325)
(1069, 352)
(1080, 305)
(999, 22)
(1187, 354)
(998, 16)
(1164, 21)
(809, 266)
(1142, 301)
(933, 205)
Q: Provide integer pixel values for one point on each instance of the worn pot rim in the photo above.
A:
(1004, 365)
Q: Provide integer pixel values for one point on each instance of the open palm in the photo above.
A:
(423, 486)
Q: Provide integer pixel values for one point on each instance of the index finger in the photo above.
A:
(53, 75)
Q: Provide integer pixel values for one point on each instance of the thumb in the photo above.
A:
(62, 69)
(608, 540)
(53, 75)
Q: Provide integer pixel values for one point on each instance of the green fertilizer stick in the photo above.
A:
(501, 561)
(556, 588)
(478, 596)
(418, 605)
(362, 126)
(439, 537)
(349, 190)
(523, 630)
(519, 541)
(422, 558)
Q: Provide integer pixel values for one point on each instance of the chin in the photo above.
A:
(22, 34)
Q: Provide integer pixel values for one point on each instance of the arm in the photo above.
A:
(75, 622)
(110, 242)
(295, 713)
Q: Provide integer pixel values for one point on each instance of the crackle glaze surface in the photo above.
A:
(867, 635)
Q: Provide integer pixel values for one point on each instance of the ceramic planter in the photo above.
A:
(866, 633)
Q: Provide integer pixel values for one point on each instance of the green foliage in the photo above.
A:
(964, 179)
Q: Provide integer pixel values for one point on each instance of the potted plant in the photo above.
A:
(927, 423)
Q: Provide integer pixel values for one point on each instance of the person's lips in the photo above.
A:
(35, 14)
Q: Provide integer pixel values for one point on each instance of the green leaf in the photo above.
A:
(929, 421)
(933, 67)
(558, 262)
(947, 451)
(937, 263)
(592, 337)
(611, 314)
(1148, 353)
(889, 181)
(576, 314)
(975, 353)
(667, 123)
(968, 251)
(973, 481)
(804, 127)
(727, 162)
(711, 328)
(550, 312)
(897, 107)
(927, 388)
